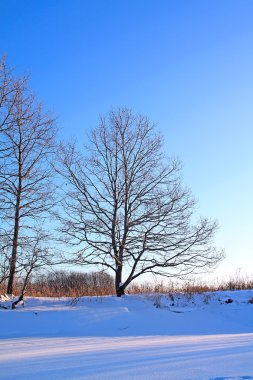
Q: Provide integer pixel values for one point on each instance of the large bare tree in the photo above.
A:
(26, 144)
(125, 208)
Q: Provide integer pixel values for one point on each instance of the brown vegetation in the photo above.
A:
(77, 284)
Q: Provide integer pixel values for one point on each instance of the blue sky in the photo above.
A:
(188, 65)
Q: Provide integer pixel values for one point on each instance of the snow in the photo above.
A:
(199, 336)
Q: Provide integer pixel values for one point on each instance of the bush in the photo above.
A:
(71, 284)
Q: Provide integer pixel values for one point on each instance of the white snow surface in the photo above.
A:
(199, 336)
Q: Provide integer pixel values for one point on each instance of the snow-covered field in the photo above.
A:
(203, 336)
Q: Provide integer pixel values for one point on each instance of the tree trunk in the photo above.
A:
(118, 284)
(13, 259)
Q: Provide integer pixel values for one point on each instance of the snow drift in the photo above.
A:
(182, 336)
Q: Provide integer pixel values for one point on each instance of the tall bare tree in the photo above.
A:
(10, 86)
(125, 208)
(26, 144)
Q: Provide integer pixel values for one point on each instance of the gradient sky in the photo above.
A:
(188, 65)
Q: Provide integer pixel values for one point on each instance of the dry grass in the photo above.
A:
(194, 286)
(67, 284)
(75, 284)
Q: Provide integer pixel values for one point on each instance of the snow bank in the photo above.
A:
(202, 336)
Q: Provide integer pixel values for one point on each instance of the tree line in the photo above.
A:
(117, 204)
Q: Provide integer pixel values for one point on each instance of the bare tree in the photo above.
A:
(26, 144)
(35, 254)
(125, 208)
(10, 86)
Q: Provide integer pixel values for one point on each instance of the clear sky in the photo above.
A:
(188, 65)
